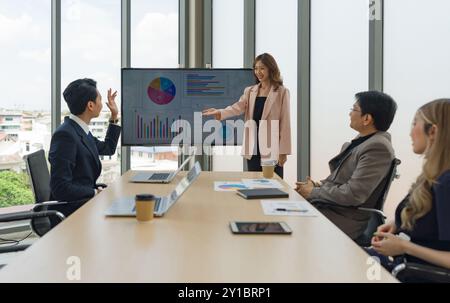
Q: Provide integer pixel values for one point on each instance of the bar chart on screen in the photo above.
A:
(155, 127)
(158, 127)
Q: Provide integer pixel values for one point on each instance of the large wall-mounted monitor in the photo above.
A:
(160, 106)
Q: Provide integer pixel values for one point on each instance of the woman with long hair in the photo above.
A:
(421, 230)
(267, 104)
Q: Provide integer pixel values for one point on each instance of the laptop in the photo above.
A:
(125, 207)
(159, 177)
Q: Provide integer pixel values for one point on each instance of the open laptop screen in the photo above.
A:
(185, 183)
(184, 163)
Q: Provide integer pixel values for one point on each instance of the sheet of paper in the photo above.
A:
(228, 186)
(288, 208)
(262, 183)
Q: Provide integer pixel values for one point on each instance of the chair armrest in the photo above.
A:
(373, 210)
(26, 215)
(47, 203)
(322, 202)
(13, 248)
(56, 203)
(415, 272)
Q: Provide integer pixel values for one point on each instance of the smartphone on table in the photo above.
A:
(260, 228)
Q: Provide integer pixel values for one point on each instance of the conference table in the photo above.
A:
(192, 242)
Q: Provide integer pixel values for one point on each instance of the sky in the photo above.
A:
(90, 45)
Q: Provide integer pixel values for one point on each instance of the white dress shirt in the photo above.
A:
(81, 123)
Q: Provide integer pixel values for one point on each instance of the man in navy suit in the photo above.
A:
(74, 152)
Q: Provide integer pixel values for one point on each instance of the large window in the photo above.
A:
(154, 44)
(25, 93)
(416, 71)
(339, 69)
(276, 33)
(90, 48)
(228, 52)
(228, 41)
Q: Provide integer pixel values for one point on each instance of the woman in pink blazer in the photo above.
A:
(267, 116)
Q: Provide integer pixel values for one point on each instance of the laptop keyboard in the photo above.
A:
(159, 176)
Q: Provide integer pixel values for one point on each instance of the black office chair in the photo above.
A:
(377, 217)
(421, 273)
(39, 215)
(40, 183)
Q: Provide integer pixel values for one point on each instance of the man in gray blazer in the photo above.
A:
(360, 167)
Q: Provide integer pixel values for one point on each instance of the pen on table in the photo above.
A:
(296, 210)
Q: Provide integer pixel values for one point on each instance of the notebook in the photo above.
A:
(262, 193)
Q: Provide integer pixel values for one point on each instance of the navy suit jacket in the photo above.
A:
(75, 163)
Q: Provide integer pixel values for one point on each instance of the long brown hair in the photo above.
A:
(274, 72)
(436, 161)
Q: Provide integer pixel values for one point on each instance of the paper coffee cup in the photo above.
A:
(145, 204)
(268, 168)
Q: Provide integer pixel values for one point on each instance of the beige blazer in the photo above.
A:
(277, 128)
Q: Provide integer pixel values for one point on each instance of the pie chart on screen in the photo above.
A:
(161, 91)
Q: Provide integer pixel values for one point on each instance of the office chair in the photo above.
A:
(377, 217)
(421, 273)
(40, 183)
(39, 216)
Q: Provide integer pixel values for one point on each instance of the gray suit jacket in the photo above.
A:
(355, 182)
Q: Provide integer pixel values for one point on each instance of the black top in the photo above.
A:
(335, 162)
(259, 108)
(257, 114)
(433, 229)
